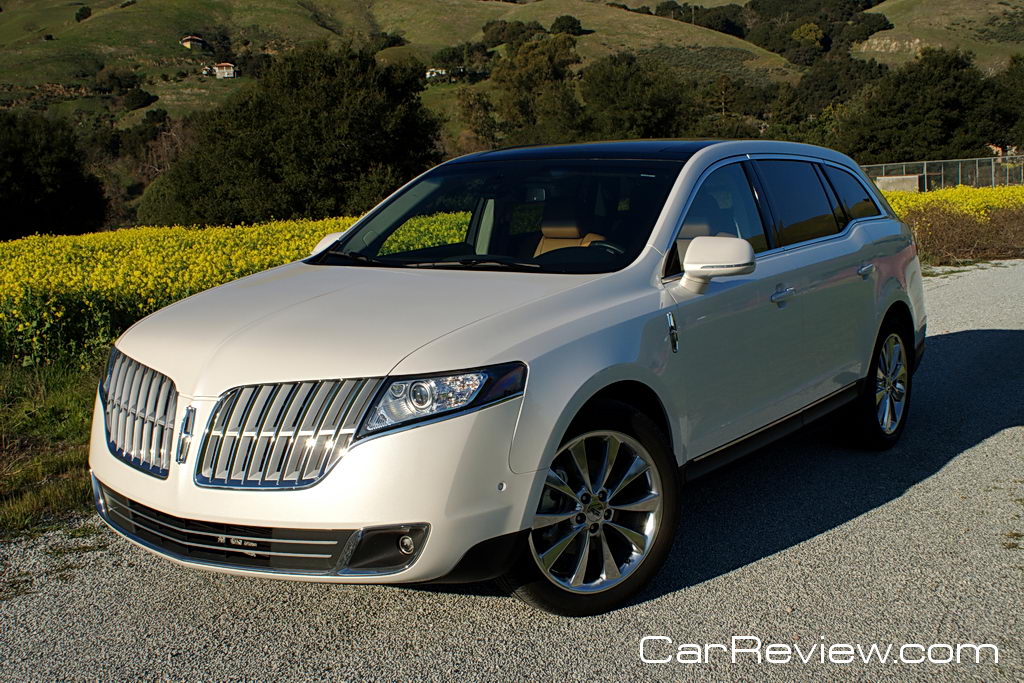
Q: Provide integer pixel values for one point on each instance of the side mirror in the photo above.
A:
(706, 257)
(327, 241)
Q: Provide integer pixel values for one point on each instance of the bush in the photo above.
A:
(83, 13)
(137, 98)
(947, 237)
(964, 224)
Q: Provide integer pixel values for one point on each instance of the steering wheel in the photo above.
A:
(609, 246)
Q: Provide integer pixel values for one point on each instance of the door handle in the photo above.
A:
(866, 270)
(781, 295)
(673, 332)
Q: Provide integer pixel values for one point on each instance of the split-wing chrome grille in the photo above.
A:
(286, 435)
(139, 405)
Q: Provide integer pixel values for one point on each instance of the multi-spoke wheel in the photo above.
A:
(606, 515)
(599, 511)
(881, 410)
(891, 384)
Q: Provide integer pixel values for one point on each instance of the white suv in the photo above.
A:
(511, 366)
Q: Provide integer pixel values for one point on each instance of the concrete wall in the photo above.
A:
(906, 183)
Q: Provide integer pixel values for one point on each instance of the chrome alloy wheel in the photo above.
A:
(599, 512)
(891, 384)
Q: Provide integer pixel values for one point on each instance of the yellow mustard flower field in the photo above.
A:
(976, 202)
(66, 297)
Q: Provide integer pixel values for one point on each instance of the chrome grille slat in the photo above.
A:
(243, 417)
(213, 534)
(276, 445)
(267, 394)
(299, 418)
(286, 435)
(318, 420)
(139, 405)
(236, 546)
(194, 544)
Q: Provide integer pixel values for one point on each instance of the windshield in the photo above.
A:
(586, 216)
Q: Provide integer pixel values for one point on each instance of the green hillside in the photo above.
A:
(992, 29)
(431, 24)
(143, 37)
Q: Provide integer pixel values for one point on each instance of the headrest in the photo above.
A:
(559, 221)
(564, 231)
(695, 228)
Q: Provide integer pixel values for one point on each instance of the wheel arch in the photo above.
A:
(637, 394)
(899, 314)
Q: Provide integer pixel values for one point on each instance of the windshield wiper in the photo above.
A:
(472, 261)
(364, 258)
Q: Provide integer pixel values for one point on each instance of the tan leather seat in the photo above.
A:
(558, 238)
(559, 230)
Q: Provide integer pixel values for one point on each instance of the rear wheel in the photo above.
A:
(606, 516)
(881, 409)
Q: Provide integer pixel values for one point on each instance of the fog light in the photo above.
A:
(387, 548)
(406, 545)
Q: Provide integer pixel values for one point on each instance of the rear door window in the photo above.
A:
(855, 198)
(799, 200)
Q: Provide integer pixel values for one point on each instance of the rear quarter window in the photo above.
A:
(855, 198)
(799, 200)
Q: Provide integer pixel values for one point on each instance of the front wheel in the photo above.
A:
(881, 409)
(606, 516)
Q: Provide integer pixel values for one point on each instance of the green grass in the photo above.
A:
(940, 23)
(44, 428)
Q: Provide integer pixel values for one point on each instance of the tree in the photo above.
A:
(567, 24)
(809, 33)
(932, 108)
(530, 79)
(836, 79)
(83, 13)
(628, 98)
(44, 186)
(499, 31)
(325, 132)
(474, 56)
(477, 111)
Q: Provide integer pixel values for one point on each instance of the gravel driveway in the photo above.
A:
(805, 542)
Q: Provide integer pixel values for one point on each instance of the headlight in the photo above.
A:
(406, 400)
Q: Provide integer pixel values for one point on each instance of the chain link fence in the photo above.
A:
(934, 175)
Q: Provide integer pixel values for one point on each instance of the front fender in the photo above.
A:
(562, 381)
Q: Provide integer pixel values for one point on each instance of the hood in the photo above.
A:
(300, 321)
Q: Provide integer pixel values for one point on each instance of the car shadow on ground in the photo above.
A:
(967, 389)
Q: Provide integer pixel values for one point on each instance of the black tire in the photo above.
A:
(527, 582)
(865, 421)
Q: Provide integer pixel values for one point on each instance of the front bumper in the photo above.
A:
(451, 477)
